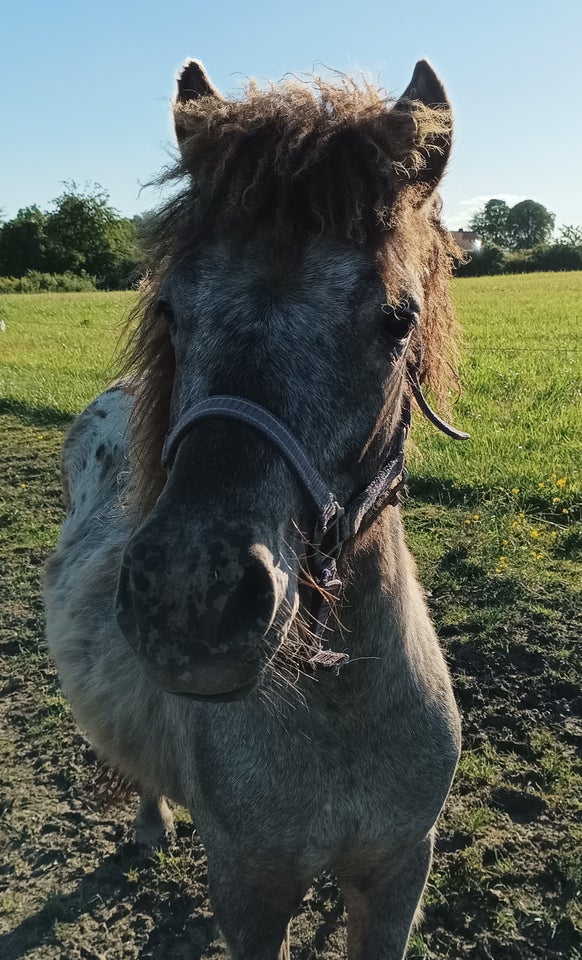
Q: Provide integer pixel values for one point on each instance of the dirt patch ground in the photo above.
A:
(508, 872)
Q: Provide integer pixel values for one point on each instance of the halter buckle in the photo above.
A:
(331, 533)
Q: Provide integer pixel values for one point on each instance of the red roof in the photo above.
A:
(465, 239)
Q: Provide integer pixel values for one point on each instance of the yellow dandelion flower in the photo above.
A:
(40, 436)
(475, 516)
(515, 524)
(540, 485)
(467, 521)
(505, 542)
(502, 559)
(554, 534)
(562, 482)
(515, 489)
(557, 500)
(565, 510)
(521, 515)
(534, 533)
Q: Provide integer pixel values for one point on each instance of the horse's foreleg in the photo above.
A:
(253, 906)
(382, 909)
(154, 822)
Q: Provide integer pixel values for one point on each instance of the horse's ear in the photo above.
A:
(427, 88)
(193, 83)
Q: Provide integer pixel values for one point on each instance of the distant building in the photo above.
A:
(466, 240)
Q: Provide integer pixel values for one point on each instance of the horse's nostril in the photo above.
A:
(250, 607)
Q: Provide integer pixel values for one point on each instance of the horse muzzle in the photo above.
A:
(201, 627)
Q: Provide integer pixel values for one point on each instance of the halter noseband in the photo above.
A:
(335, 525)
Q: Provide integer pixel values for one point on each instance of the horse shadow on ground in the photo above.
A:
(34, 416)
(116, 910)
(430, 489)
(104, 897)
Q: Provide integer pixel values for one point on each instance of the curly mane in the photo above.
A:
(343, 161)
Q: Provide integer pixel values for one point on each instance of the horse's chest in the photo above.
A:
(323, 795)
(358, 797)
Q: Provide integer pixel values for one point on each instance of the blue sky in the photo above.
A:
(86, 88)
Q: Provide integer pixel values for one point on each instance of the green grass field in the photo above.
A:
(496, 526)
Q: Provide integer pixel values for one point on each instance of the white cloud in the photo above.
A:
(459, 217)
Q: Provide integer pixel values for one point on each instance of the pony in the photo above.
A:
(233, 611)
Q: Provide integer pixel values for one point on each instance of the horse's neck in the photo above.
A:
(385, 627)
(381, 587)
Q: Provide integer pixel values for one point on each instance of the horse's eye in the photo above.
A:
(399, 319)
(164, 310)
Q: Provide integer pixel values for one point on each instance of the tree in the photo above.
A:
(78, 231)
(529, 224)
(83, 235)
(23, 243)
(126, 264)
(490, 223)
(570, 236)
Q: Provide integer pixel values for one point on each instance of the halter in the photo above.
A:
(334, 524)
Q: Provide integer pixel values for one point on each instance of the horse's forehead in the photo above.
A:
(221, 274)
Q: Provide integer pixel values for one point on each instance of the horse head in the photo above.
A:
(303, 269)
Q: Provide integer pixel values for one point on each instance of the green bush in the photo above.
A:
(491, 260)
(124, 275)
(558, 256)
(34, 281)
(550, 257)
(520, 262)
(83, 235)
(483, 262)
